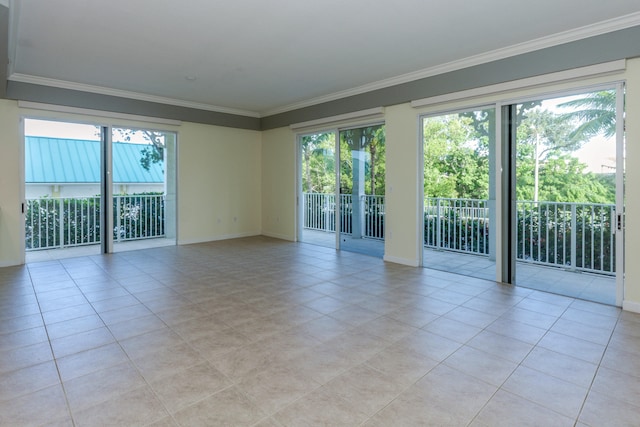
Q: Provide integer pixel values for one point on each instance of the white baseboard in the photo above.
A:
(216, 238)
(11, 263)
(279, 236)
(632, 306)
(403, 261)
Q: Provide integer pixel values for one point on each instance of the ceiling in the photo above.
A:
(256, 57)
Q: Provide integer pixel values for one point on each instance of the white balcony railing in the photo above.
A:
(63, 222)
(457, 225)
(577, 236)
(320, 213)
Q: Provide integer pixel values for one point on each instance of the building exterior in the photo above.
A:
(57, 167)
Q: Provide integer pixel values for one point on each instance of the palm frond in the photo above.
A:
(595, 113)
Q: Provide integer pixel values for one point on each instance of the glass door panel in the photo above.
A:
(566, 195)
(362, 190)
(317, 201)
(459, 193)
(62, 189)
(144, 197)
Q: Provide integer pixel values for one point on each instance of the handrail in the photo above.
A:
(319, 214)
(574, 236)
(57, 222)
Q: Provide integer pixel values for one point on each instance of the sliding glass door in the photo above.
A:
(460, 192)
(92, 189)
(144, 195)
(569, 195)
(362, 190)
(316, 199)
(63, 189)
(548, 206)
(341, 189)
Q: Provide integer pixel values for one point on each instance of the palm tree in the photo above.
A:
(596, 113)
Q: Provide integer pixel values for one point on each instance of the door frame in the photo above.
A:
(497, 178)
(506, 137)
(335, 130)
(299, 190)
(106, 172)
(505, 190)
(620, 192)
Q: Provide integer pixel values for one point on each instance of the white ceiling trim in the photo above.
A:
(603, 27)
(370, 113)
(597, 70)
(62, 84)
(14, 12)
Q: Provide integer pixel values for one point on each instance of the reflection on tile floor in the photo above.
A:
(264, 332)
(372, 247)
(587, 286)
(78, 251)
(582, 285)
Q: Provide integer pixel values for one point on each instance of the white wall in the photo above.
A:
(219, 190)
(11, 234)
(279, 183)
(402, 222)
(632, 204)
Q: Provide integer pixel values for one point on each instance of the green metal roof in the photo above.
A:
(57, 160)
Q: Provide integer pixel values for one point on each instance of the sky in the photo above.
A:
(598, 153)
(55, 129)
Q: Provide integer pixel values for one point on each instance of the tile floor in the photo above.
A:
(263, 332)
(582, 285)
(87, 250)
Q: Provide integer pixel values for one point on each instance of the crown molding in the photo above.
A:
(62, 84)
(568, 36)
(607, 68)
(14, 13)
(364, 114)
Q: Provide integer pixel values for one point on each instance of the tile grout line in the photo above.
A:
(53, 355)
(595, 375)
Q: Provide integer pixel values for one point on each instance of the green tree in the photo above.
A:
(318, 163)
(564, 179)
(456, 158)
(594, 112)
(541, 136)
(546, 168)
(484, 121)
(371, 140)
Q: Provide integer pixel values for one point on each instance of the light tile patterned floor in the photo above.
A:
(592, 287)
(263, 332)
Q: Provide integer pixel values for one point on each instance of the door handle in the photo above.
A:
(619, 222)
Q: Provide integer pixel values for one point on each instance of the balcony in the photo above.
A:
(554, 240)
(320, 214)
(57, 223)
